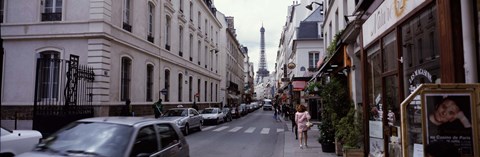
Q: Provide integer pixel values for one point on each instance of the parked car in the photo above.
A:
(242, 108)
(235, 112)
(212, 114)
(255, 105)
(114, 137)
(267, 105)
(228, 114)
(184, 118)
(249, 108)
(14, 142)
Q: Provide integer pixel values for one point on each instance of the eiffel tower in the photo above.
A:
(262, 68)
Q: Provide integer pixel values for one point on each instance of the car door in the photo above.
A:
(197, 118)
(171, 143)
(145, 143)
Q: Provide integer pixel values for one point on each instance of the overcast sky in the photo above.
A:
(249, 16)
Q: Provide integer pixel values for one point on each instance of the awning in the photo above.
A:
(231, 96)
(298, 85)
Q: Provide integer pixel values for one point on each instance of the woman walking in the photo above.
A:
(301, 118)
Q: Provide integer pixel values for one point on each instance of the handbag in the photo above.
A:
(309, 124)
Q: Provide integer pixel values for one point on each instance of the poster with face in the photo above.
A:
(449, 121)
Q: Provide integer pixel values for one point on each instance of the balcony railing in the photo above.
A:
(127, 27)
(150, 38)
(51, 16)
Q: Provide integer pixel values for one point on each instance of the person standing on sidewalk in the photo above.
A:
(291, 115)
(301, 118)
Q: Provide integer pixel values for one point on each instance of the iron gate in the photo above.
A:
(63, 93)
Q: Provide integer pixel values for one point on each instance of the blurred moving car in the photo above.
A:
(114, 137)
(14, 142)
(267, 105)
(184, 118)
(213, 114)
(228, 114)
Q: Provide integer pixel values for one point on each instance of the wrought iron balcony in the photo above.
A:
(51, 16)
(150, 38)
(127, 27)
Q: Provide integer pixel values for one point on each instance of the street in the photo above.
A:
(256, 134)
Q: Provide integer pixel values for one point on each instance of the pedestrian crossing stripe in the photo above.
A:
(265, 131)
(250, 130)
(221, 128)
(280, 130)
(208, 128)
(235, 129)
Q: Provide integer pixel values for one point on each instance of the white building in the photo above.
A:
(136, 48)
(300, 49)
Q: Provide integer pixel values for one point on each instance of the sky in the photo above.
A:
(249, 16)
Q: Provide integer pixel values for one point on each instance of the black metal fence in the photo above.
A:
(63, 93)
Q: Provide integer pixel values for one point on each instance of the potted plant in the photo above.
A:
(348, 132)
(335, 103)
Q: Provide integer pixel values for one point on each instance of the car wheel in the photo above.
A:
(200, 126)
(187, 129)
(7, 155)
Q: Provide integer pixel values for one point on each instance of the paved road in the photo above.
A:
(254, 135)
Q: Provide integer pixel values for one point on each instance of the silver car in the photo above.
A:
(114, 137)
(184, 118)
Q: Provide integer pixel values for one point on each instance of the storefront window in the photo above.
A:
(389, 53)
(421, 55)
(374, 67)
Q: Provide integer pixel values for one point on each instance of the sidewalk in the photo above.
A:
(292, 146)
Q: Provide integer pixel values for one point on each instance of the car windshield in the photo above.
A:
(176, 113)
(92, 138)
(209, 111)
(5, 131)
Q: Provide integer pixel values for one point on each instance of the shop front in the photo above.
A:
(405, 44)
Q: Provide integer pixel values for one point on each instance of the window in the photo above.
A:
(52, 10)
(180, 87)
(126, 15)
(211, 91)
(149, 82)
(205, 95)
(191, 12)
(313, 58)
(206, 24)
(167, 84)
(151, 13)
(199, 51)
(48, 78)
(191, 47)
(199, 19)
(216, 89)
(181, 6)
(167, 33)
(205, 57)
(145, 142)
(190, 88)
(2, 10)
(198, 88)
(125, 78)
(180, 40)
(167, 134)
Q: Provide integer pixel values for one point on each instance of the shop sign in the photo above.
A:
(386, 15)
(418, 77)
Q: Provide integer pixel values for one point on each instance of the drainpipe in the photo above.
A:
(469, 50)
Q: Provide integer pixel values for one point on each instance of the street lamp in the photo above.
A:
(309, 7)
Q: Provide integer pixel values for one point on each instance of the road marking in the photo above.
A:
(265, 131)
(250, 130)
(235, 129)
(208, 128)
(280, 130)
(221, 128)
